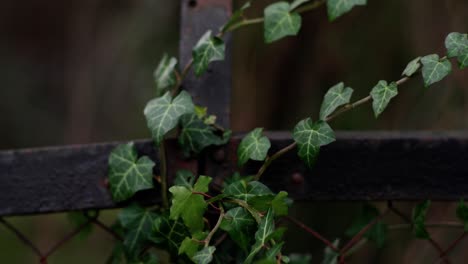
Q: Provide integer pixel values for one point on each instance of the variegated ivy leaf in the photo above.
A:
(412, 67)
(138, 221)
(280, 21)
(463, 59)
(127, 173)
(189, 206)
(168, 233)
(246, 191)
(381, 95)
(266, 229)
(335, 97)
(204, 256)
(337, 8)
(434, 69)
(419, 220)
(253, 146)
(309, 137)
(239, 223)
(208, 49)
(162, 114)
(456, 44)
(236, 17)
(196, 135)
(297, 3)
(164, 75)
(329, 255)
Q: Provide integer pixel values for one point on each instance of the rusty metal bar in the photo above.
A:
(359, 166)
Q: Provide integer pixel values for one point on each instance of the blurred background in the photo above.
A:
(75, 72)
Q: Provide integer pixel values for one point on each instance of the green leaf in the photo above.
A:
(335, 97)
(280, 204)
(297, 3)
(196, 135)
(208, 49)
(456, 44)
(274, 251)
(462, 214)
(201, 111)
(247, 191)
(162, 114)
(280, 22)
(204, 256)
(412, 67)
(253, 146)
(381, 95)
(463, 60)
(169, 233)
(419, 220)
(164, 75)
(236, 17)
(265, 229)
(190, 246)
(118, 254)
(337, 8)
(376, 233)
(310, 137)
(329, 255)
(239, 224)
(138, 221)
(127, 173)
(434, 69)
(191, 207)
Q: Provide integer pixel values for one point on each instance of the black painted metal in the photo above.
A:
(359, 166)
(213, 89)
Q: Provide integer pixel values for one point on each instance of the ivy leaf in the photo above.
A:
(280, 204)
(162, 114)
(337, 8)
(412, 67)
(196, 135)
(335, 97)
(184, 178)
(329, 255)
(236, 17)
(208, 49)
(274, 251)
(238, 223)
(253, 146)
(190, 246)
(247, 191)
(169, 233)
(205, 255)
(201, 111)
(419, 219)
(297, 3)
(434, 69)
(265, 229)
(164, 75)
(191, 207)
(463, 59)
(381, 95)
(280, 22)
(376, 233)
(310, 137)
(127, 173)
(462, 214)
(456, 44)
(138, 221)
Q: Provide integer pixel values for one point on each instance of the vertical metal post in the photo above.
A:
(213, 89)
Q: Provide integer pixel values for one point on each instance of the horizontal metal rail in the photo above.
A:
(359, 166)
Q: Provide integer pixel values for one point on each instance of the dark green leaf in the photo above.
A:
(412, 67)
(162, 114)
(336, 96)
(184, 178)
(204, 256)
(239, 224)
(247, 190)
(381, 94)
(280, 204)
(463, 60)
(191, 207)
(280, 22)
(419, 220)
(118, 254)
(274, 251)
(196, 135)
(456, 44)
(265, 229)
(208, 49)
(462, 214)
(253, 146)
(297, 3)
(138, 221)
(337, 8)
(168, 233)
(236, 17)
(190, 246)
(434, 69)
(164, 75)
(127, 173)
(376, 233)
(310, 137)
(329, 255)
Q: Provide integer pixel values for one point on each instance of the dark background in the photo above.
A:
(74, 72)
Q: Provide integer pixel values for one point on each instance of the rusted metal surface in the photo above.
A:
(213, 89)
(359, 166)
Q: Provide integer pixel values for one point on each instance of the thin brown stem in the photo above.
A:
(215, 228)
